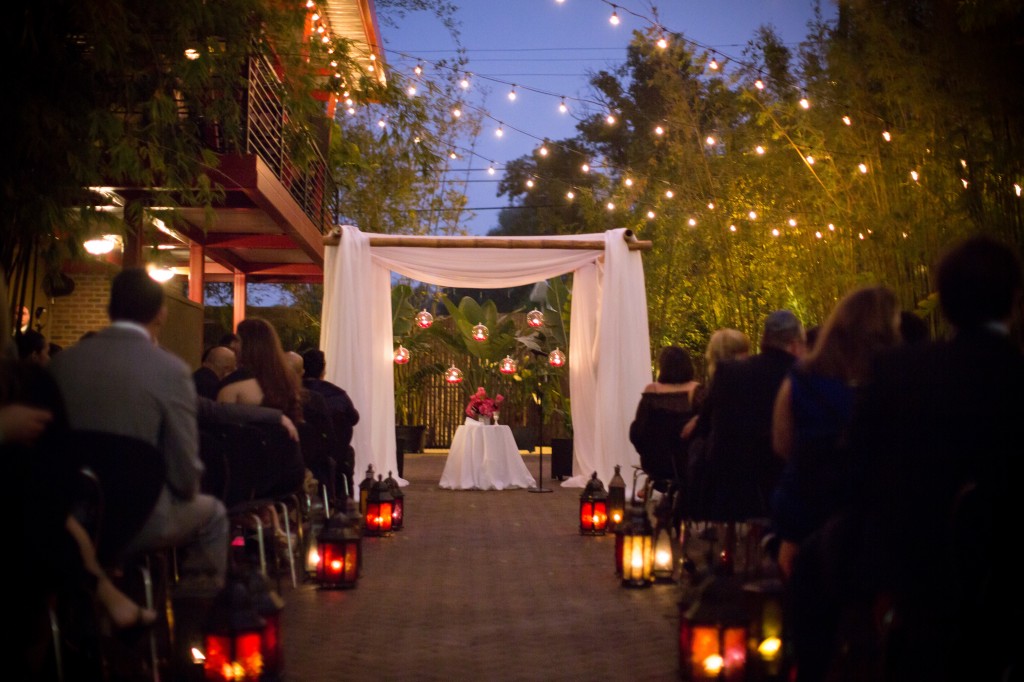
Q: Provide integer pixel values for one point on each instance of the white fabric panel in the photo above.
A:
(609, 358)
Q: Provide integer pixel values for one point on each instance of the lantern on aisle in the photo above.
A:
(453, 375)
(616, 499)
(535, 318)
(269, 605)
(398, 509)
(480, 332)
(339, 546)
(377, 519)
(636, 552)
(233, 637)
(664, 560)
(556, 358)
(364, 489)
(765, 605)
(424, 319)
(713, 634)
(402, 355)
(593, 507)
(508, 365)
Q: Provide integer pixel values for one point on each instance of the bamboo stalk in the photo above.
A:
(633, 243)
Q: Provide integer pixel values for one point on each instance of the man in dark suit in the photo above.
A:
(737, 417)
(120, 381)
(940, 433)
(218, 362)
(343, 412)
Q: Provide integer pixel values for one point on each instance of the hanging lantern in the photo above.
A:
(402, 355)
(424, 319)
(535, 318)
(233, 637)
(556, 358)
(364, 489)
(765, 604)
(269, 605)
(453, 375)
(713, 634)
(480, 332)
(377, 519)
(508, 365)
(636, 549)
(616, 500)
(398, 510)
(593, 507)
(339, 546)
(664, 560)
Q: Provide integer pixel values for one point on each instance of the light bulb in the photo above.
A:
(809, 159)
(658, 130)
(732, 228)
(759, 149)
(847, 120)
(662, 42)
(191, 54)
(610, 119)
(456, 112)
(562, 107)
(713, 64)
(692, 222)
(512, 94)
(775, 232)
(411, 90)
(711, 206)
(759, 84)
(886, 136)
(585, 168)
(650, 215)
(418, 70)
(529, 183)
(669, 194)
(490, 170)
(805, 103)
(381, 123)
(614, 18)
(792, 222)
(610, 206)
(499, 132)
(543, 151)
(452, 155)
(752, 215)
(710, 140)
(628, 182)
(570, 195)
(862, 167)
(464, 83)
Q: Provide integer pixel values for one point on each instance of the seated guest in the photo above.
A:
(119, 381)
(218, 362)
(339, 404)
(32, 347)
(319, 442)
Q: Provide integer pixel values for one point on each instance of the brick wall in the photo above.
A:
(84, 310)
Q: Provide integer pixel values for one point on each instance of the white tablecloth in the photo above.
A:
(485, 457)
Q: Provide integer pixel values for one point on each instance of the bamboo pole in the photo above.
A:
(634, 244)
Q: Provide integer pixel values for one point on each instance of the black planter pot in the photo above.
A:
(561, 458)
(413, 436)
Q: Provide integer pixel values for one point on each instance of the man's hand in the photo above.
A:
(22, 424)
(289, 426)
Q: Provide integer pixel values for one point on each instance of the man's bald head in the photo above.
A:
(295, 362)
(221, 360)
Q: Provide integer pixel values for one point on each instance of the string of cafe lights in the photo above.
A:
(809, 154)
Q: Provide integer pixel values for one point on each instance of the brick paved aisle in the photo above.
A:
(483, 585)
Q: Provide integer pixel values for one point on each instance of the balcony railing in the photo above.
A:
(266, 120)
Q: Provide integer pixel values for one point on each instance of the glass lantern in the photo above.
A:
(424, 319)
(713, 634)
(233, 637)
(269, 605)
(453, 375)
(508, 365)
(339, 547)
(377, 520)
(535, 318)
(593, 507)
(556, 358)
(637, 554)
(402, 355)
(616, 499)
(398, 509)
(364, 489)
(664, 542)
(480, 332)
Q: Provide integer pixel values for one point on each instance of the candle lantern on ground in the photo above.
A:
(233, 636)
(713, 633)
(364, 489)
(616, 500)
(764, 599)
(339, 547)
(664, 541)
(398, 508)
(637, 554)
(269, 605)
(535, 318)
(380, 504)
(593, 507)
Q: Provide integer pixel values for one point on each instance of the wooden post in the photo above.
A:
(196, 271)
(239, 298)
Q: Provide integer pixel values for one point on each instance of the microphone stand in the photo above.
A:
(540, 448)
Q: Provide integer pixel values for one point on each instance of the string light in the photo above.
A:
(490, 170)
(805, 103)
(411, 90)
(732, 228)
(512, 94)
(692, 222)
(759, 84)
(847, 121)
(792, 222)
(759, 149)
(585, 168)
(464, 83)
(831, 227)
(456, 112)
(775, 232)
(543, 151)
(818, 235)
(1016, 188)
(886, 136)
(809, 159)
(614, 18)
(713, 64)
(628, 182)
(382, 123)
(611, 206)
(752, 215)
(191, 54)
(499, 132)
(711, 206)
(669, 194)
(658, 130)
(529, 183)
(562, 107)
(650, 215)
(710, 140)
(453, 155)
(662, 41)
(610, 119)
(862, 167)
(418, 70)
(913, 175)
(570, 195)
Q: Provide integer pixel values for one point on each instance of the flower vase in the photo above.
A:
(484, 419)
(494, 417)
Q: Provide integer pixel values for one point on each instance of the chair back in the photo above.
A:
(129, 475)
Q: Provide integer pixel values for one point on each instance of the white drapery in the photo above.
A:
(609, 359)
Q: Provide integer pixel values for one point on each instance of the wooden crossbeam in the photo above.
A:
(633, 243)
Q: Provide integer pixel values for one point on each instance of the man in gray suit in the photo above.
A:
(120, 381)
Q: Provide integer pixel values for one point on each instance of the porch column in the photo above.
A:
(239, 298)
(196, 272)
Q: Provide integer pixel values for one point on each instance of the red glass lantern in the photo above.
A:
(616, 500)
(234, 637)
(424, 319)
(635, 549)
(398, 510)
(269, 605)
(339, 547)
(593, 507)
(480, 332)
(377, 520)
(453, 375)
(535, 318)
(713, 634)
(556, 358)
(508, 365)
(764, 600)
(402, 355)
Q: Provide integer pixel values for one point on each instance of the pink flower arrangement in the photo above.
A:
(481, 405)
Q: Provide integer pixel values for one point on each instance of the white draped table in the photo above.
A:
(485, 457)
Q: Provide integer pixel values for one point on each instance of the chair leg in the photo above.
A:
(58, 661)
(147, 584)
(288, 538)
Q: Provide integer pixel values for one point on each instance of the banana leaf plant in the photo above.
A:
(412, 378)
